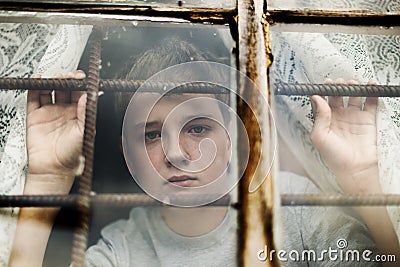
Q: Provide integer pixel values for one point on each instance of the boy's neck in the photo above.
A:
(193, 221)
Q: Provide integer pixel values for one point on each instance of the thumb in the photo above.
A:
(81, 111)
(322, 118)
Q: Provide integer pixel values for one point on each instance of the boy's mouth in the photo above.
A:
(184, 181)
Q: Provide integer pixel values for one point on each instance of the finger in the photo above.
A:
(62, 96)
(45, 97)
(33, 102)
(354, 102)
(69, 75)
(370, 105)
(75, 96)
(322, 118)
(79, 74)
(336, 101)
(81, 109)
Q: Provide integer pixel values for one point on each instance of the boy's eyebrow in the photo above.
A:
(199, 116)
(146, 124)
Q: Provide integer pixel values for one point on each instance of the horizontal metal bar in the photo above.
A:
(342, 17)
(337, 89)
(103, 199)
(340, 200)
(145, 200)
(199, 87)
(107, 85)
(192, 14)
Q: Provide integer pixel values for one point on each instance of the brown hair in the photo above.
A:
(169, 52)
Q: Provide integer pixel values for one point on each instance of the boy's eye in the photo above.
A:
(152, 135)
(197, 129)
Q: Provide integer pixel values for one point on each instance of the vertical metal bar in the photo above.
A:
(85, 181)
(255, 214)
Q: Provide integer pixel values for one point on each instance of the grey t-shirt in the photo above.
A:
(145, 239)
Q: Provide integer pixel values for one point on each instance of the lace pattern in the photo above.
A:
(27, 49)
(310, 58)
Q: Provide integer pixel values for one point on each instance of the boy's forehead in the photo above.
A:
(150, 103)
(144, 98)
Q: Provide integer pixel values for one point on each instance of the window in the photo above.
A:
(246, 35)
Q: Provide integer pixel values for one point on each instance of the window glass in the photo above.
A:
(323, 146)
(203, 124)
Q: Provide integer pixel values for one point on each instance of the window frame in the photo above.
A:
(250, 21)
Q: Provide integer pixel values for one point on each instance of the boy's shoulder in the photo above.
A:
(121, 237)
(138, 222)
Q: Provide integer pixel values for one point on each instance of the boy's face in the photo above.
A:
(181, 142)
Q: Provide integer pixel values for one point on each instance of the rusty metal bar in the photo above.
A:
(130, 200)
(85, 180)
(135, 199)
(340, 200)
(335, 17)
(255, 208)
(199, 87)
(192, 14)
(337, 89)
(108, 85)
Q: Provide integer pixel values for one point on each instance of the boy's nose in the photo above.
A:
(175, 154)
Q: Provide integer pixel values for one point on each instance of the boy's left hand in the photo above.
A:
(346, 138)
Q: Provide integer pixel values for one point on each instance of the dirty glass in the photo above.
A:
(135, 51)
(318, 150)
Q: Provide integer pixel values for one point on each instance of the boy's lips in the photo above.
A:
(183, 180)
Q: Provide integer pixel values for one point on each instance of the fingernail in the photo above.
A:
(340, 81)
(80, 75)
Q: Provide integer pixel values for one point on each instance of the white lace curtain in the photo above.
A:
(26, 49)
(312, 57)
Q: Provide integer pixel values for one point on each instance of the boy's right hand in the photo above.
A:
(346, 138)
(54, 138)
